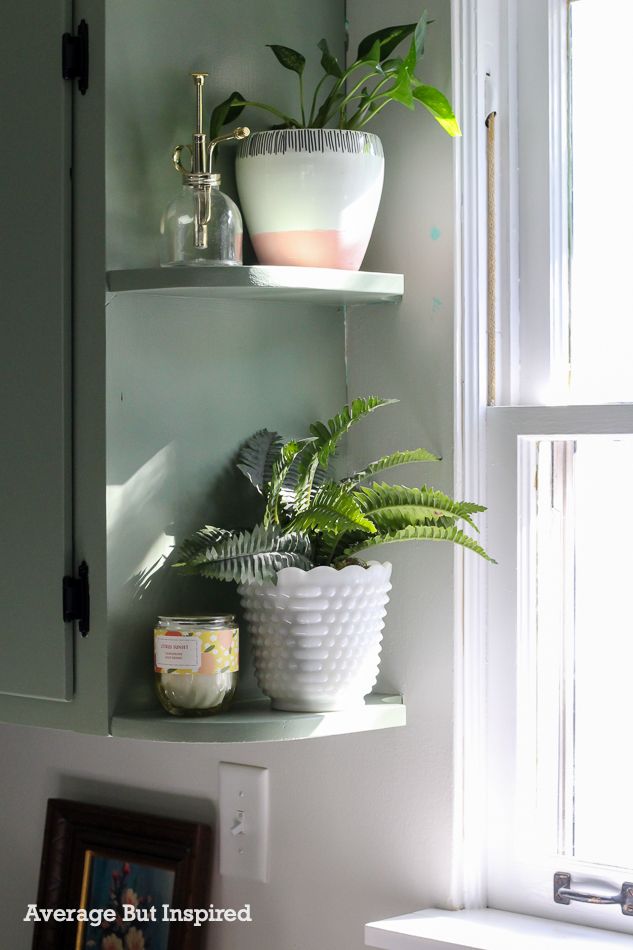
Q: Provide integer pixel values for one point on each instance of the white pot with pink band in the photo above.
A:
(310, 196)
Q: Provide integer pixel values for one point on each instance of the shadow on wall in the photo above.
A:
(149, 801)
(141, 564)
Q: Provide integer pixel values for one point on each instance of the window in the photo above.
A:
(559, 448)
(601, 72)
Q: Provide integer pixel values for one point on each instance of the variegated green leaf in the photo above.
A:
(419, 36)
(387, 39)
(225, 112)
(439, 107)
(328, 108)
(289, 58)
(329, 62)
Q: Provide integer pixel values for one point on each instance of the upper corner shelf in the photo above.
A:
(312, 284)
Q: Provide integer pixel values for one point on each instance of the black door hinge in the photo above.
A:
(75, 57)
(76, 599)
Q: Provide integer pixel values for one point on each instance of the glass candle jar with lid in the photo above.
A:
(196, 662)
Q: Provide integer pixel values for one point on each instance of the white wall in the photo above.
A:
(361, 824)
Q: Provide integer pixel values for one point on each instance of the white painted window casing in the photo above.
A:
(526, 843)
(484, 930)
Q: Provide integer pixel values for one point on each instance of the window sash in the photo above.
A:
(487, 34)
(523, 858)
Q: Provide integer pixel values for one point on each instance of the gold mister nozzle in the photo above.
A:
(199, 152)
(241, 132)
(199, 79)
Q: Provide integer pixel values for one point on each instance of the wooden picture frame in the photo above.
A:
(93, 855)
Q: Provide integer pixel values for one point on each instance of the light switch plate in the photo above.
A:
(244, 803)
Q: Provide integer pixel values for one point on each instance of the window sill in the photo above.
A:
(486, 930)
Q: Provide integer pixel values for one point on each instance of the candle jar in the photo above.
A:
(196, 661)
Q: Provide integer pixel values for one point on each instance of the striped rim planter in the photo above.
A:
(310, 196)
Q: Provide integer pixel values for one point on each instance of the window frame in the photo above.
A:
(485, 47)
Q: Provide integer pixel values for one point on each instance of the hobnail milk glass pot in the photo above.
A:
(316, 635)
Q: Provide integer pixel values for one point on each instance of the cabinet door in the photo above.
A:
(35, 327)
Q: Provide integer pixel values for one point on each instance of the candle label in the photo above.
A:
(205, 651)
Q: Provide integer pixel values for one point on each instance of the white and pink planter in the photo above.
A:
(310, 196)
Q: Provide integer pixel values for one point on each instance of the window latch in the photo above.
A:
(564, 893)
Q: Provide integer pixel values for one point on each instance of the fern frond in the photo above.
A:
(391, 461)
(392, 507)
(471, 508)
(254, 556)
(420, 533)
(293, 501)
(199, 542)
(305, 484)
(333, 511)
(328, 436)
(289, 452)
(257, 457)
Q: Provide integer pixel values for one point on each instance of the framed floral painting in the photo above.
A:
(119, 880)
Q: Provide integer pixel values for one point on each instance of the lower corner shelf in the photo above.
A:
(255, 721)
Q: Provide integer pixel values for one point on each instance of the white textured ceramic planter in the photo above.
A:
(316, 635)
(310, 196)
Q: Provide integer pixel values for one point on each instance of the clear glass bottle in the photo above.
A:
(196, 662)
(202, 227)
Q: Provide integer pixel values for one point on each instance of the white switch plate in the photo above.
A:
(244, 800)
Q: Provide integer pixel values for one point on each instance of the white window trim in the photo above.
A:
(468, 879)
(478, 27)
(475, 24)
(485, 930)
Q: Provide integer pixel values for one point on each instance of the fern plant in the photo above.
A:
(311, 518)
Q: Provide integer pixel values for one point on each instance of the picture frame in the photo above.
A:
(96, 857)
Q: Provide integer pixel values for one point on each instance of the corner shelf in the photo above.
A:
(318, 285)
(255, 721)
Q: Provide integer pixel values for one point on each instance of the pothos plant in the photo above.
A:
(349, 98)
(311, 518)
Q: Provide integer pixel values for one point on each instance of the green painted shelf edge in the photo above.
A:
(255, 721)
(319, 285)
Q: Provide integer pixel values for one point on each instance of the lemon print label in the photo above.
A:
(202, 651)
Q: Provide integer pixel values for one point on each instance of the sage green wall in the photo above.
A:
(361, 825)
(189, 380)
(152, 48)
(409, 355)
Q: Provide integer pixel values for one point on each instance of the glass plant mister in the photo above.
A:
(202, 227)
